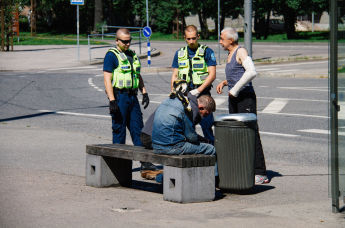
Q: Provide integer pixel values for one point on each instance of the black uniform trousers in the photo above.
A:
(245, 102)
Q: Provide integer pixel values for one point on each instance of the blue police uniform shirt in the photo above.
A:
(111, 62)
(210, 58)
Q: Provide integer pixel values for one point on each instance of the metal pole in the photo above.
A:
(88, 44)
(102, 31)
(333, 83)
(218, 31)
(248, 26)
(78, 32)
(312, 22)
(140, 41)
(148, 39)
(147, 13)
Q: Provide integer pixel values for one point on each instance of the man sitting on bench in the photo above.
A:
(173, 129)
(197, 115)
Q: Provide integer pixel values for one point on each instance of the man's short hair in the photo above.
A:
(122, 31)
(191, 28)
(231, 33)
(208, 102)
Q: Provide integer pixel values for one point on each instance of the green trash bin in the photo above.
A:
(235, 148)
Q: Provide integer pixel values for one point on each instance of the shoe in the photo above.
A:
(147, 166)
(150, 174)
(159, 178)
(261, 179)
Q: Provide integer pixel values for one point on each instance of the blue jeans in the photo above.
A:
(130, 117)
(188, 148)
(206, 124)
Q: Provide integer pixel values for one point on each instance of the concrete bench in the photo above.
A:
(187, 178)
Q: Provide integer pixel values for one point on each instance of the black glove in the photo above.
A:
(113, 107)
(146, 100)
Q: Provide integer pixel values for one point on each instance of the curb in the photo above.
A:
(154, 53)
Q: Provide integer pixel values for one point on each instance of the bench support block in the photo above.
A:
(187, 185)
(107, 171)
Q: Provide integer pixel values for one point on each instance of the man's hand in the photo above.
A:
(195, 92)
(220, 87)
(113, 107)
(146, 100)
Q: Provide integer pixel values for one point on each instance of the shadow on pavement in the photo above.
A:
(147, 186)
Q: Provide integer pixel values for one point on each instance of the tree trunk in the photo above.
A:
(290, 19)
(222, 20)
(267, 24)
(98, 18)
(203, 24)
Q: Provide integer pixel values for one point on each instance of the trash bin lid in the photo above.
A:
(242, 117)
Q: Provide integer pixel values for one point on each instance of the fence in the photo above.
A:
(104, 37)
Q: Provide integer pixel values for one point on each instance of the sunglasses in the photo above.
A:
(193, 38)
(125, 41)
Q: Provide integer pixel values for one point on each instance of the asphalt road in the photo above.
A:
(47, 117)
(292, 112)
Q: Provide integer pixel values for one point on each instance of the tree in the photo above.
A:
(290, 9)
(98, 18)
(7, 9)
(262, 9)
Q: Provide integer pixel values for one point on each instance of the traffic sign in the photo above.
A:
(147, 32)
(77, 2)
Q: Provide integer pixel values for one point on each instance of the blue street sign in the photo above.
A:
(77, 2)
(147, 32)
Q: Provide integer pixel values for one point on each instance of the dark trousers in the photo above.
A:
(246, 103)
(146, 140)
(130, 116)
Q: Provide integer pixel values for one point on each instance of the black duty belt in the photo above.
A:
(129, 91)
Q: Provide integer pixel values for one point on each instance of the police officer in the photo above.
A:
(196, 64)
(122, 80)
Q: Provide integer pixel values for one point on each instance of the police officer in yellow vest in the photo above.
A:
(122, 80)
(196, 64)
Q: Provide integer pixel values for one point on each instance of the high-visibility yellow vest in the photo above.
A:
(194, 69)
(126, 75)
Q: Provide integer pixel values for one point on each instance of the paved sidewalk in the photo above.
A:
(296, 197)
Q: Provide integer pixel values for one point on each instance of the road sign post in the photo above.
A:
(77, 3)
(147, 32)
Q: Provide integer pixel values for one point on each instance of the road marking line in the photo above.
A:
(306, 88)
(278, 134)
(302, 63)
(219, 101)
(280, 71)
(76, 114)
(288, 99)
(275, 106)
(285, 114)
(296, 114)
(320, 131)
(341, 113)
(90, 81)
(265, 69)
(66, 68)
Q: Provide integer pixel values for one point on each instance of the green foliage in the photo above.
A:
(59, 16)
(53, 39)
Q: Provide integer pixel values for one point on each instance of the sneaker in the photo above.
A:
(147, 166)
(150, 174)
(261, 179)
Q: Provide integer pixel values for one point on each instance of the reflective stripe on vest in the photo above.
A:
(198, 65)
(124, 76)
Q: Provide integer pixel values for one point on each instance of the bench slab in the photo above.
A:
(137, 153)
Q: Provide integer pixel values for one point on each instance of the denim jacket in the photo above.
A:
(172, 126)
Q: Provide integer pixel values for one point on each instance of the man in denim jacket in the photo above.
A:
(173, 129)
